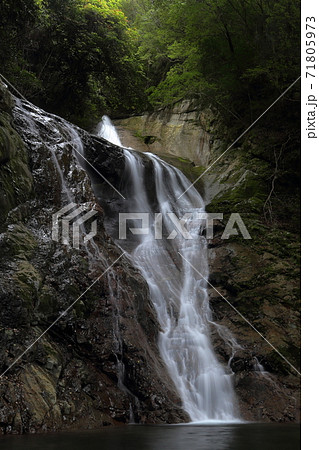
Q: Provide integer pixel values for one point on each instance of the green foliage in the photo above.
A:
(82, 58)
(238, 53)
(74, 57)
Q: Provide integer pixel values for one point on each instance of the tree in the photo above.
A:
(82, 56)
(235, 53)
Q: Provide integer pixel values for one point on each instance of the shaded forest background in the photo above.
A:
(84, 58)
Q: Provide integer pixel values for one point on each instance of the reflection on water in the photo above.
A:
(165, 437)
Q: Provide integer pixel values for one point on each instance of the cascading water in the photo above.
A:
(108, 131)
(178, 293)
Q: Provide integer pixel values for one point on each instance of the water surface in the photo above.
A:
(165, 437)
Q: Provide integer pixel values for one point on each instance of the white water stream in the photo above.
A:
(178, 293)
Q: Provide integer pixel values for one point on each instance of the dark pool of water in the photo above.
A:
(165, 437)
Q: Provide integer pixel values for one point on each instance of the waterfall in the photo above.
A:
(178, 293)
(108, 131)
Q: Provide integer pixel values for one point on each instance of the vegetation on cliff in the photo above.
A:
(84, 58)
(233, 54)
(72, 57)
(80, 58)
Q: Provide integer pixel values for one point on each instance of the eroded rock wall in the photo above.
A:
(179, 131)
(99, 363)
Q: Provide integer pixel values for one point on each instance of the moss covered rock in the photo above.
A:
(15, 176)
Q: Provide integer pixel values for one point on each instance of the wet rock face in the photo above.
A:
(265, 291)
(175, 131)
(99, 364)
(15, 176)
(105, 163)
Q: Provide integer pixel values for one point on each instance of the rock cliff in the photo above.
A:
(99, 363)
